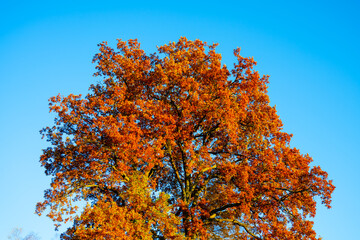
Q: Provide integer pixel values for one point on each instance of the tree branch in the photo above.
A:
(230, 205)
(192, 190)
(236, 222)
(177, 174)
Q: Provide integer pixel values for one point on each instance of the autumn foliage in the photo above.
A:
(174, 145)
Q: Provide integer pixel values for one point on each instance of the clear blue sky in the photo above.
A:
(310, 50)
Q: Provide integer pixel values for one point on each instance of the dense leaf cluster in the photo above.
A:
(175, 145)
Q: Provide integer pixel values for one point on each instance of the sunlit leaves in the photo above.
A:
(175, 145)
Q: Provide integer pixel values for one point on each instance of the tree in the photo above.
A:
(17, 232)
(174, 145)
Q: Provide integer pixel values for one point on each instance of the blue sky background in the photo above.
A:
(310, 49)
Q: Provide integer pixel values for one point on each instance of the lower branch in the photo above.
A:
(236, 222)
